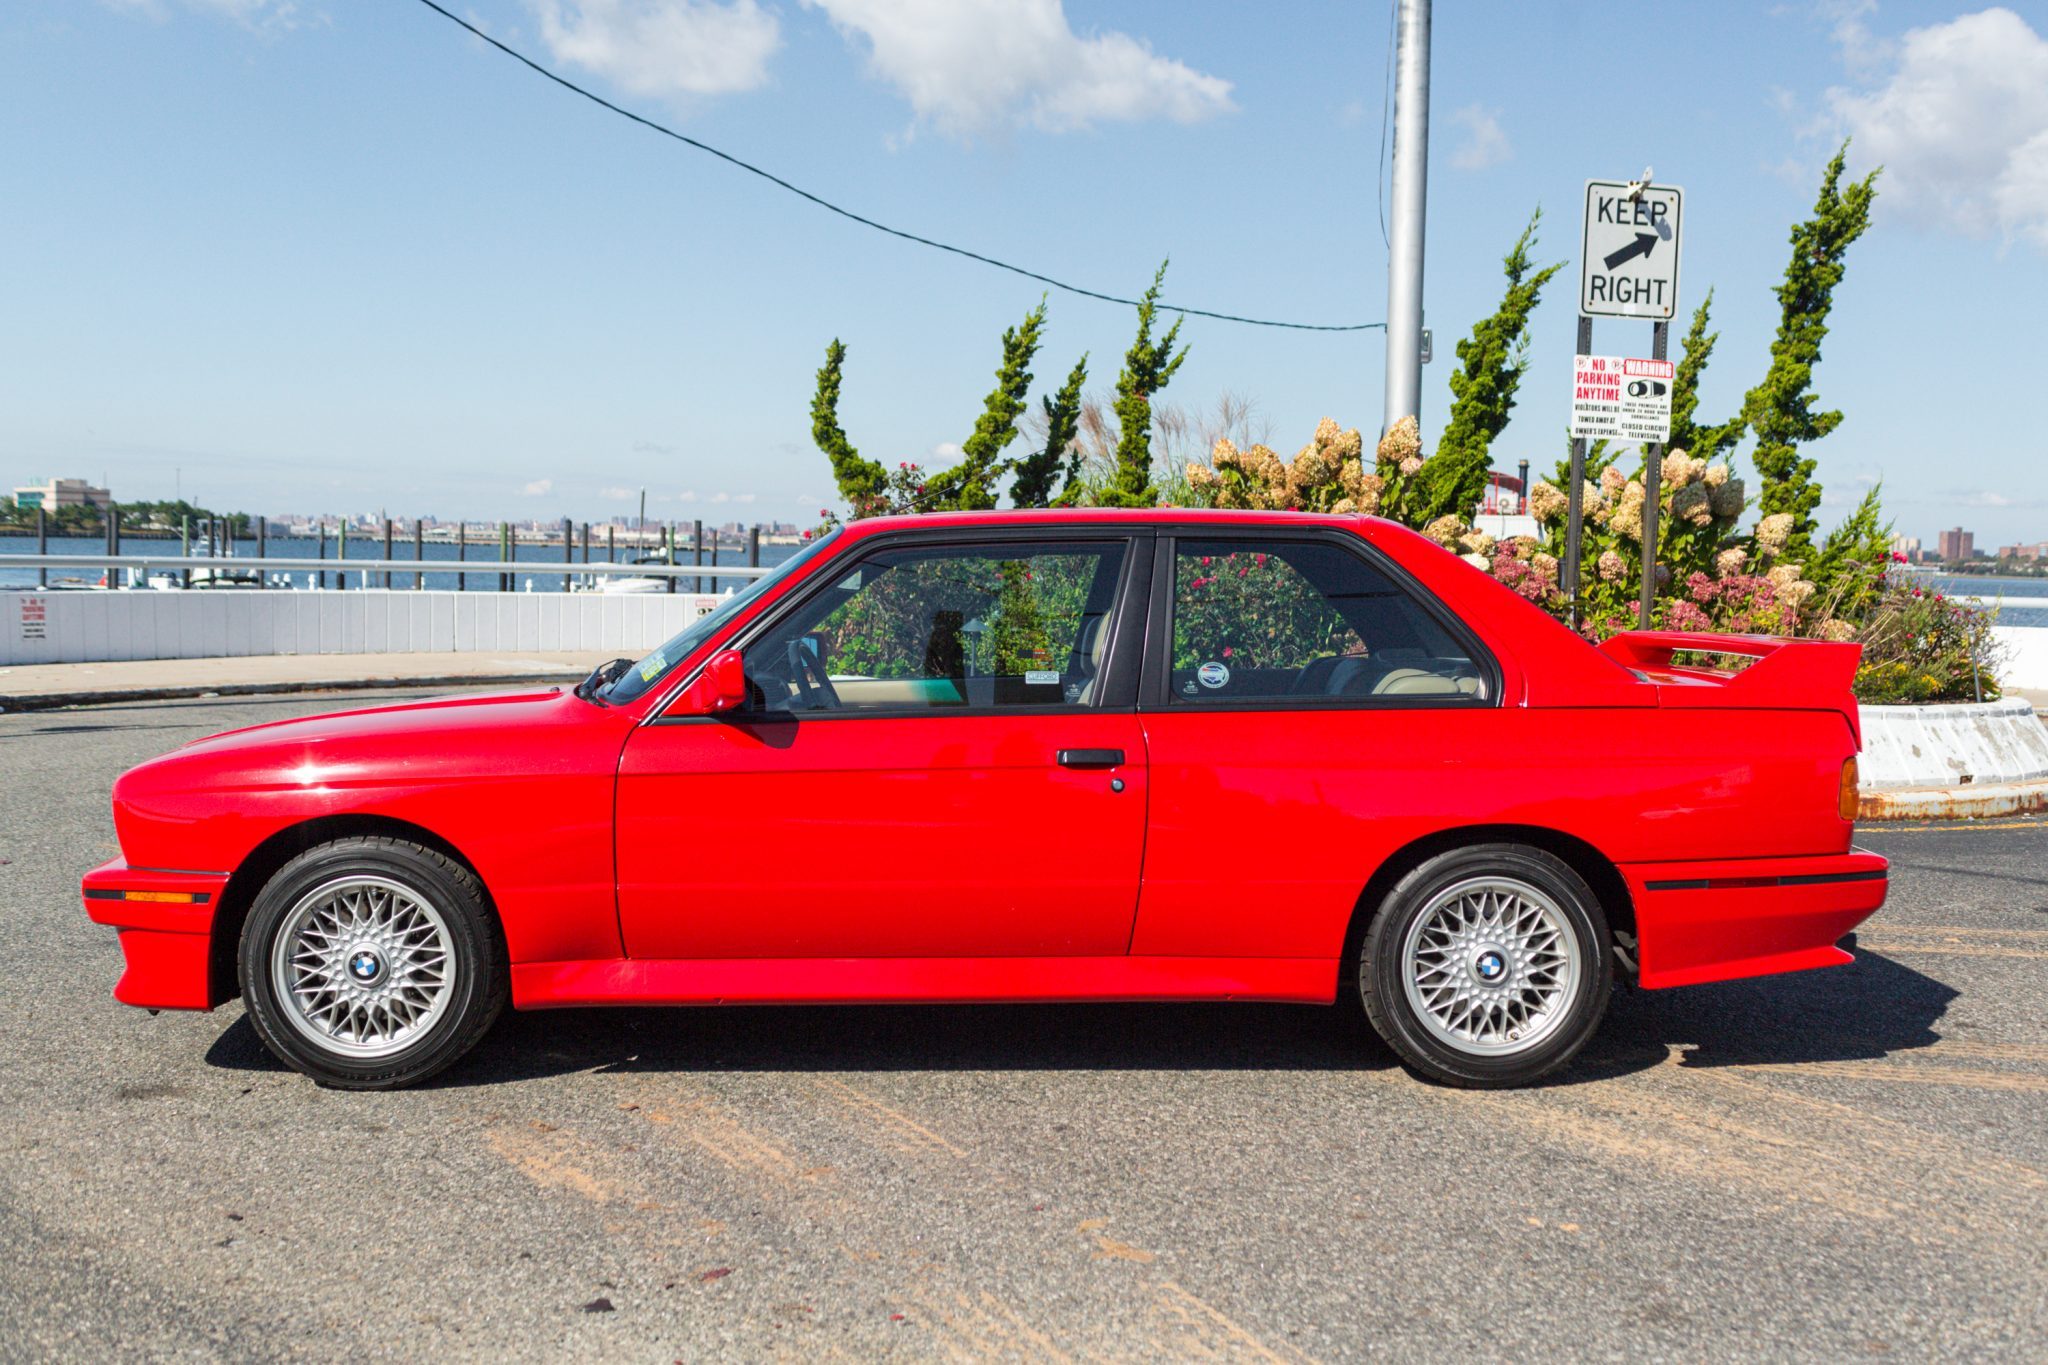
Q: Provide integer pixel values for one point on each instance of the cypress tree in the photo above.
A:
(1492, 362)
(1704, 442)
(1037, 472)
(859, 480)
(1780, 410)
(970, 485)
(1147, 369)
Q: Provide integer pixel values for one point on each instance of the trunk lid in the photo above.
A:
(1784, 675)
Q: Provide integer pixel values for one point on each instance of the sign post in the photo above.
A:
(1628, 268)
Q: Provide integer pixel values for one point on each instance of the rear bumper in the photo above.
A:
(1715, 921)
(165, 921)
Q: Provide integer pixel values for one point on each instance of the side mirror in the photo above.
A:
(722, 686)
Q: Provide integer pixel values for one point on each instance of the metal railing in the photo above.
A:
(474, 568)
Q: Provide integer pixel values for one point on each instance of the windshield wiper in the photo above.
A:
(601, 677)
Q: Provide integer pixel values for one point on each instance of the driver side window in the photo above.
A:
(945, 627)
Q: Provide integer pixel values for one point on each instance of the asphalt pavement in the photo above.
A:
(1841, 1164)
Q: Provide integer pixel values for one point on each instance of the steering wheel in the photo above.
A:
(813, 686)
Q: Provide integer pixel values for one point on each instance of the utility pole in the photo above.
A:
(1411, 192)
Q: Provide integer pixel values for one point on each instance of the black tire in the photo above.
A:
(1559, 1032)
(470, 994)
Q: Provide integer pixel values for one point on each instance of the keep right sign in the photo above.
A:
(1628, 266)
(1622, 399)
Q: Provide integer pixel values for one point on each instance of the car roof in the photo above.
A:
(1104, 517)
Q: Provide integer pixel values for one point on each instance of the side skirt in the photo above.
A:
(920, 980)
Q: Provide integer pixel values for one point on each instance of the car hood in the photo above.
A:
(470, 712)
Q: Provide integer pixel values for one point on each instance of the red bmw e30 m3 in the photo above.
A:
(1027, 756)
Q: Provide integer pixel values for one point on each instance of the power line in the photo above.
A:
(831, 207)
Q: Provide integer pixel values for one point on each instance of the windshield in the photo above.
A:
(658, 665)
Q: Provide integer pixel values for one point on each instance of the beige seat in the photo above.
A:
(1091, 648)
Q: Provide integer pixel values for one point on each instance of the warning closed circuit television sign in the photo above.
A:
(1622, 399)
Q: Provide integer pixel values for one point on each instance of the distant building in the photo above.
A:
(1909, 546)
(2032, 553)
(1956, 544)
(62, 493)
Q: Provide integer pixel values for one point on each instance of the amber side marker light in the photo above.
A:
(157, 897)
(1847, 800)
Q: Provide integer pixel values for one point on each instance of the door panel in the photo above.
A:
(921, 836)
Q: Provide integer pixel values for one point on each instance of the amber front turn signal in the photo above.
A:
(1846, 802)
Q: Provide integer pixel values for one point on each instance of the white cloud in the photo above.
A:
(539, 488)
(664, 47)
(946, 450)
(256, 14)
(1485, 144)
(618, 494)
(971, 65)
(1960, 123)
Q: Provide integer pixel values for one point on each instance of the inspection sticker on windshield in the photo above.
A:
(651, 666)
(1213, 674)
(1041, 677)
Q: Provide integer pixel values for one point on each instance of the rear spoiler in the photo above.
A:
(1793, 675)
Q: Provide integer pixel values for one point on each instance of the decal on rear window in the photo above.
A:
(1213, 674)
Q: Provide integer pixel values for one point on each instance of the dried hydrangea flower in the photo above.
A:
(1694, 504)
(1611, 567)
(1546, 503)
(1716, 475)
(1834, 628)
(1326, 431)
(1403, 439)
(1445, 531)
(1628, 514)
(1611, 480)
(1784, 574)
(1728, 498)
(1773, 532)
(1676, 470)
(1412, 465)
(1545, 564)
(1729, 563)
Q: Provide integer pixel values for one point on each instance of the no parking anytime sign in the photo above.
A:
(1621, 398)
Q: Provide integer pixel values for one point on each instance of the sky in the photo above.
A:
(339, 256)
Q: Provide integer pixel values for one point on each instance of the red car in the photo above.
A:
(1026, 756)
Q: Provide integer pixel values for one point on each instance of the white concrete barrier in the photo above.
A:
(2023, 657)
(1988, 743)
(99, 627)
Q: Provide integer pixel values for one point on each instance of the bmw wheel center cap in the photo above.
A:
(1490, 966)
(365, 966)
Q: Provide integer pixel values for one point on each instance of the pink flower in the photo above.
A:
(1226, 651)
(1205, 561)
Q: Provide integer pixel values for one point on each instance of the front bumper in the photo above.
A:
(1736, 917)
(165, 921)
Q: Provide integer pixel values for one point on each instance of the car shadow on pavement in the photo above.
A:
(1869, 1009)
(1864, 1010)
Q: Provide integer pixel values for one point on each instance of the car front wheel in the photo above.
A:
(372, 963)
(1487, 966)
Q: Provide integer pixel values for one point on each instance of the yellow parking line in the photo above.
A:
(1994, 828)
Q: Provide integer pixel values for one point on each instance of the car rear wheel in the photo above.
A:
(1487, 966)
(372, 963)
